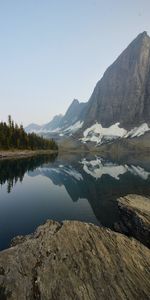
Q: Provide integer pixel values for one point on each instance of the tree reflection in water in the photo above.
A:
(12, 171)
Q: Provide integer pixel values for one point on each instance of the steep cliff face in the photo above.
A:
(72, 114)
(123, 94)
(119, 106)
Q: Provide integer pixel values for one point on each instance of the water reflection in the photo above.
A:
(99, 181)
(99, 167)
(12, 171)
(77, 187)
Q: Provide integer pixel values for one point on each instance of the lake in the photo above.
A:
(68, 187)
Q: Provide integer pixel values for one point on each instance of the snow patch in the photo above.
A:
(54, 130)
(74, 127)
(62, 131)
(98, 134)
(137, 131)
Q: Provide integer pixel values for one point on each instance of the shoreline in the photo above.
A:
(8, 154)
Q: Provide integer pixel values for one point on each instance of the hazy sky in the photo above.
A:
(52, 51)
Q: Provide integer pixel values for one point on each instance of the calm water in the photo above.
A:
(73, 187)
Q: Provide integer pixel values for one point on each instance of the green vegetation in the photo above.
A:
(13, 136)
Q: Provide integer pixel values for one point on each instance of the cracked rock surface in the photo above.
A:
(74, 260)
(135, 217)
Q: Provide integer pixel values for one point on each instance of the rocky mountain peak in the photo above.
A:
(75, 101)
(143, 34)
(120, 103)
(73, 104)
(73, 113)
(123, 94)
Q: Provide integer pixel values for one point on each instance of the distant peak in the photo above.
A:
(59, 115)
(142, 39)
(33, 124)
(75, 101)
(143, 35)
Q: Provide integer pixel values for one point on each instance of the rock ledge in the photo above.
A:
(135, 217)
(75, 260)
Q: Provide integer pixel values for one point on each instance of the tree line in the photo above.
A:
(13, 136)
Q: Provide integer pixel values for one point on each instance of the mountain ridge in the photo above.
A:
(120, 102)
(102, 107)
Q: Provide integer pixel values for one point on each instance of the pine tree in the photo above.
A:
(14, 136)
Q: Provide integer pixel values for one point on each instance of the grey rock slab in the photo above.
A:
(75, 260)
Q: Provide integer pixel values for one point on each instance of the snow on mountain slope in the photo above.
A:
(138, 131)
(74, 127)
(61, 125)
(119, 106)
(49, 127)
(98, 134)
(123, 93)
(69, 130)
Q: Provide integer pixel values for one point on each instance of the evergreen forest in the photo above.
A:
(13, 136)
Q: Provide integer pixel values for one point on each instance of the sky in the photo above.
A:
(52, 51)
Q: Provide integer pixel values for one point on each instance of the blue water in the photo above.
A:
(77, 187)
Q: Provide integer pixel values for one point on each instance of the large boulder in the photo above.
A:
(135, 217)
(75, 260)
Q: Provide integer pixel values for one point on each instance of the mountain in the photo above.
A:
(49, 127)
(53, 124)
(123, 94)
(119, 107)
(32, 128)
(72, 114)
(89, 178)
(61, 123)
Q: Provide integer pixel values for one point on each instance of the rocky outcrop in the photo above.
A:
(75, 260)
(135, 217)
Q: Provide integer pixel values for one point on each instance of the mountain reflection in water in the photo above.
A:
(77, 187)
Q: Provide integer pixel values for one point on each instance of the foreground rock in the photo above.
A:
(135, 217)
(75, 260)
